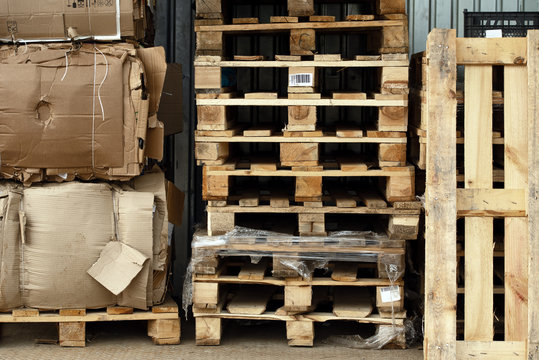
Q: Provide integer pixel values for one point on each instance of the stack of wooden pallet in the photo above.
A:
(301, 132)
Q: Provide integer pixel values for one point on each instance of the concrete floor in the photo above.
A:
(128, 340)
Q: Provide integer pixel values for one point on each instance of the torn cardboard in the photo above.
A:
(117, 266)
(38, 20)
(66, 228)
(62, 130)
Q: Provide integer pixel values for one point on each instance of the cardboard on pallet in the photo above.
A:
(62, 20)
(52, 234)
(87, 112)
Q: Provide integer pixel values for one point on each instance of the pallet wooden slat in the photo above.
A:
(533, 185)
(478, 268)
(440, 248)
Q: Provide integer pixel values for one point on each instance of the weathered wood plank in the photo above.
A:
(440, 196)
(478, 237)
(516, 177)
(533, 182)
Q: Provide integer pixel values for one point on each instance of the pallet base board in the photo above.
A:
(163, 321)
(299, 328)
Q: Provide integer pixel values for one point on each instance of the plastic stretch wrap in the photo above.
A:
(315, 252)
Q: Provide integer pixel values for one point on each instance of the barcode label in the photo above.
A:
(300, 80)
(390, 294)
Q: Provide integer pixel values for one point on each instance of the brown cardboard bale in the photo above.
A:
(10, 198)
(118, 145)
(67, 226)
(48, 122)
(60, 19)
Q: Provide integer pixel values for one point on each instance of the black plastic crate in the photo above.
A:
(512, 24)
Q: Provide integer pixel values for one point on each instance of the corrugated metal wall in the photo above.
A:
(427, 14)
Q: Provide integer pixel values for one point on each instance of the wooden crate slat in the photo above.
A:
(441, 233)
(478, 268)
(516, 177)
(533, 182)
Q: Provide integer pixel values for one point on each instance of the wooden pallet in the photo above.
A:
(388, 72)
(292, 150)
(299, 328)
(396, 183)
(163, 321)
(211, 259)
(387, 34)
(313, 218)
(215, 111)
(419, 115)
(217, 10)
(478, 202)
(250, 294)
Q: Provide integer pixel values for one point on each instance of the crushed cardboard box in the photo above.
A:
(79, 112)
(39, 20)
(52, 234)
(117, 266)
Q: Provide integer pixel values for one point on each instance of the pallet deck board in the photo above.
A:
(301, 102)
(303, 63)
(349, 25)
(303, 139)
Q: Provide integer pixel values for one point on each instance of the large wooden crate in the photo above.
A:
(478, 202)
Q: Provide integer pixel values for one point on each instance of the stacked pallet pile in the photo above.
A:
(72, 250)
(301, 133)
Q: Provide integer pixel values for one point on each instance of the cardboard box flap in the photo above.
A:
(155, 68)
(155, 142)
(170, 108)
(135, 228)
(117, 266)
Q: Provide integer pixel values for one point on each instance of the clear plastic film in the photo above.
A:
(384, 335)
(299, 255)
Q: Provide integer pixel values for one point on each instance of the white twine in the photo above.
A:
(93, 112)
(102, 82)
(67, 65)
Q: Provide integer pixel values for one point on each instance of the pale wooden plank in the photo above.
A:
(440, 196)
(345, 271)
(491, 350)
(491, 202)
(495, 51)
(355, 302)
(516, 177)
(253, 271)
(392, 102)
(250, 300)
(533, 182)
(478, 237)
(300, 25)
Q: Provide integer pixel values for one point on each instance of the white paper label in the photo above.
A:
(496, 33)
(390, 294)
(300, 80)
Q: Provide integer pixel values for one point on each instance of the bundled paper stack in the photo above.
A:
(74, 114)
